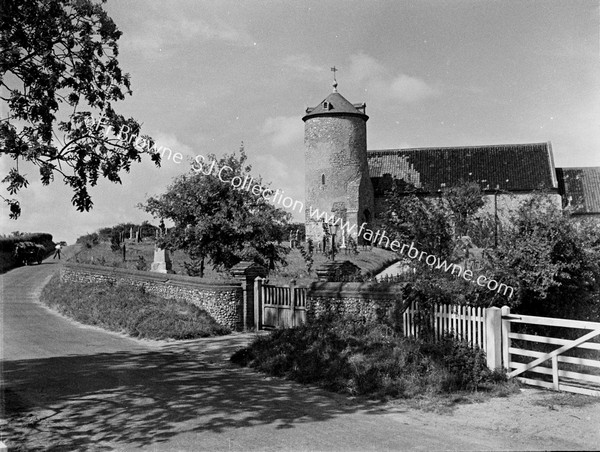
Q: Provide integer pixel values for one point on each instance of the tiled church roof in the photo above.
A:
(580, 188)
(512, 167)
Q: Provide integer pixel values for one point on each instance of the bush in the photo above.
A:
(141, 264)
(129, 309)
(362, 358)
(89, 240)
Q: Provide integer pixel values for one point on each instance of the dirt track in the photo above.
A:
(71, 387)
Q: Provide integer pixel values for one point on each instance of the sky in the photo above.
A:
(207, 75)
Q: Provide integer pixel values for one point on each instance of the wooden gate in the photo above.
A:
(279, 306)
(574, 365)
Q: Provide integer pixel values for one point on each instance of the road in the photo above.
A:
(72, 387)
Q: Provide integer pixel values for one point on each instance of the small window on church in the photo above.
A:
(322, 179)
(326, 105)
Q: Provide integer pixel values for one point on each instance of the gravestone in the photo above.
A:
(162, 261)
(338, 271)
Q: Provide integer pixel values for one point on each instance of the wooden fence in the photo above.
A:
(466, 323)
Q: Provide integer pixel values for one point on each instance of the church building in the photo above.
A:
(345, 179)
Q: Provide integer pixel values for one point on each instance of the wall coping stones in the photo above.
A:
(355, 290)
(179, 280)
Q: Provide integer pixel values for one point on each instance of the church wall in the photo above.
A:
(506, 203)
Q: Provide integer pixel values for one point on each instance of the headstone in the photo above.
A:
(338, 271)
(131, 233)
(162, 261)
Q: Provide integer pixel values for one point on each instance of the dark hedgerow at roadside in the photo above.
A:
(365, 359)
(129, 309)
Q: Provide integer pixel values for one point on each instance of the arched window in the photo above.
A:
(322, 179)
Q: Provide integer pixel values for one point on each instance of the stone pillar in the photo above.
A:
(246, 272)
(162, 261)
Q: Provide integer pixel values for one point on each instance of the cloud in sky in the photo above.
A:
(284, 130)
(382, 83)
(302, 64)
(170, 27)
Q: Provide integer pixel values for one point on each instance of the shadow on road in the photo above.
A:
(141, 399)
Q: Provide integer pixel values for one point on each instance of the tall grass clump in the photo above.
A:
(367, 359)
(129, 309)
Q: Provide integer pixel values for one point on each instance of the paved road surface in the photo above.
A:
(70, 387)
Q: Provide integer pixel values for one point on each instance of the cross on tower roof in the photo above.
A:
(335, 84)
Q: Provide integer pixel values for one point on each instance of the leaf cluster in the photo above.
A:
(57, 57)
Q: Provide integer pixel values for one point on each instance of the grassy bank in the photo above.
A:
(139, 256)
(361, 359)
(369, 260)
(131, 310)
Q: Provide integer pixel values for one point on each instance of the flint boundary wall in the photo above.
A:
(365, 301)
(223, 301)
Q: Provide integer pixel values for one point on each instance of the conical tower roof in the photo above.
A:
(336, 104)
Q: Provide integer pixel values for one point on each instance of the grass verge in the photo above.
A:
(129, 309)
(362, 359)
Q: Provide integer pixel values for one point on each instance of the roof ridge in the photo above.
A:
(479, 146)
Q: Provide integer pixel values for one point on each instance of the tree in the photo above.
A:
(553, 262)
(214, 220)
(63, 53)
(418, 219)
(463, 200)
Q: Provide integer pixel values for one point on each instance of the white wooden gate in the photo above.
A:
(579, 373)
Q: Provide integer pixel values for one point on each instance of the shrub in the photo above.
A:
(366, 358)
(89, 240)
(141, 264)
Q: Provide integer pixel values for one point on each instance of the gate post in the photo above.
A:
(258, 302)
(246, 272)
(505, 339)
(293, 302)
(493, 334)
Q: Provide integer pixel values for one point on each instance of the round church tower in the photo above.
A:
(337, 173)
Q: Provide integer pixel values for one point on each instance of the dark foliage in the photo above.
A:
(363, 358)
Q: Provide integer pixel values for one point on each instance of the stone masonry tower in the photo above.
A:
(337, 173)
